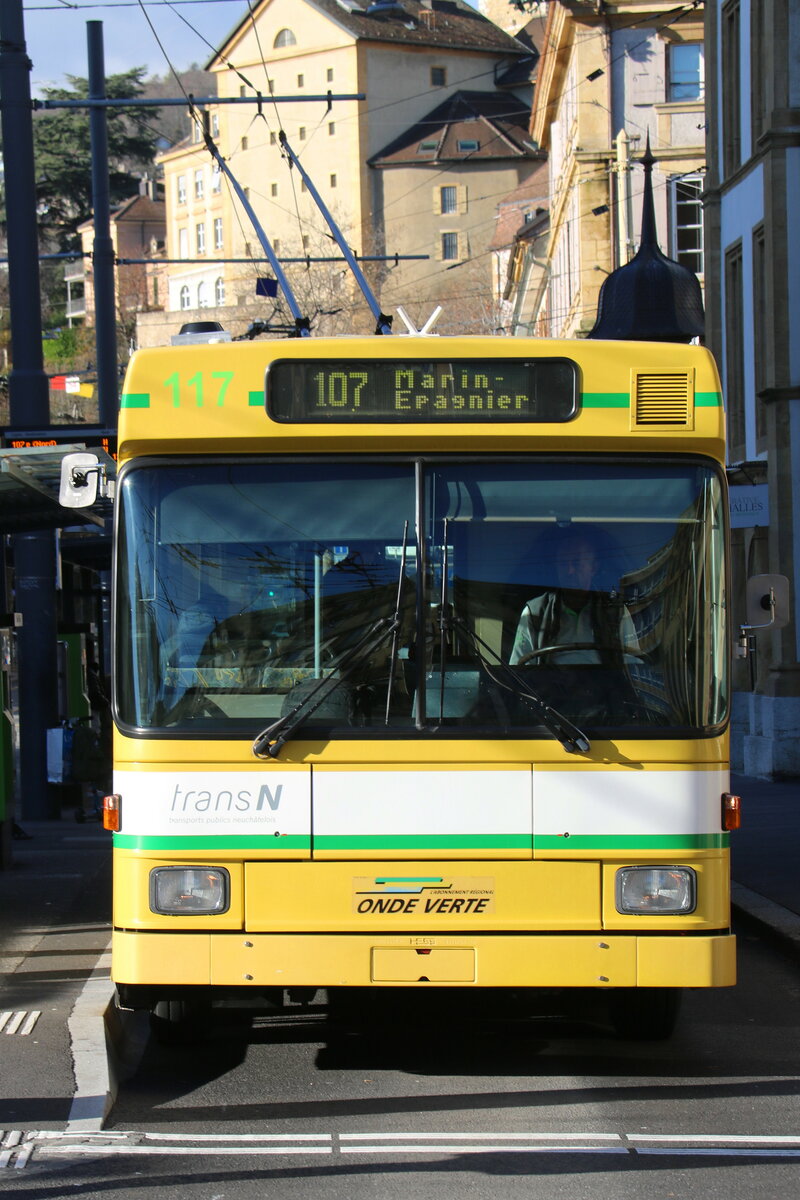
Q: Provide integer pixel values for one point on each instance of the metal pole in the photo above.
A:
(29, 405)
(105, 310)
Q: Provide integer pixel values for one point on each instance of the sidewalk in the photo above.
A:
(55, 913)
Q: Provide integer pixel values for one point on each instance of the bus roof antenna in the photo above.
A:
(383, 323)
(426, 328)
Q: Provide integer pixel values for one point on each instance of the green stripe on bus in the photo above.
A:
(423, 841)
(606, 399)
(632, 841)
(134, 400)
(707, 400)
(255, 399)
(233, 841)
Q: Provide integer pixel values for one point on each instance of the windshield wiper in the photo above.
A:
(397, 611)
(269, 742)
(573, 740)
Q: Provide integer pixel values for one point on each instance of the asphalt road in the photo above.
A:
(457, 1104)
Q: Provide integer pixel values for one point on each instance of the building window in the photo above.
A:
(301, 81)
(448, 199)
(427, 147)
(759, 23)
(273, 138)
(219, 292)
(185, 298)
(686, 74)
(331, 128)
(215, 125)
(199, 186)
(276, 245)
(301, 133)
(333, 181)
(202, 295)
(760, 324)
(686, 221)
(218, 233)
(734, 349)
(216, 179)
(329, 75)
(468, 145)
(732, 90)
(244, 143)
(181, 189)
(200, 238)
(183, 243)
(449, 246)
(284, 38)
(438, 76)
(273, 189)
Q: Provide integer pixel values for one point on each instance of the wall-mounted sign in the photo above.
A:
(749, 505)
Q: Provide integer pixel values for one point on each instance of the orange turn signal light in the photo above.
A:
(112, 812)
(731, 811)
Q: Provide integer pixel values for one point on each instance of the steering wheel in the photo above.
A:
(563, 647)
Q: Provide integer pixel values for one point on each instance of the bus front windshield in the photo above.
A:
(432, 595)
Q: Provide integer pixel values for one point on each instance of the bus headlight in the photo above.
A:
(656, 890)
(178, 891)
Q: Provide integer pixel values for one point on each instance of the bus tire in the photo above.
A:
(644, 1014)
(179, 1022)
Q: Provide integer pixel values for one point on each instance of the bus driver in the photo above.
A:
(574, 623)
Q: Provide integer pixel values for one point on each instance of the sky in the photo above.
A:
(189, 31)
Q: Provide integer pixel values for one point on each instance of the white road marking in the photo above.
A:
(465, 1148)
(33, 1017)
(475, 1137)
(18, 1147)
(184, 1150)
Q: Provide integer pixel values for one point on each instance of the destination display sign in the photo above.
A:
(422, 390)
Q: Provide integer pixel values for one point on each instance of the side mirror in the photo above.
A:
(80, 477)
(767, 602)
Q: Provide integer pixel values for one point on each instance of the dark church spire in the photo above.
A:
(652, 298)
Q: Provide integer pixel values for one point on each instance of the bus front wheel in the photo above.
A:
(179, 1022)
(644, 1014)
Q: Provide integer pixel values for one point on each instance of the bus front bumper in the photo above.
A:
(266, 960)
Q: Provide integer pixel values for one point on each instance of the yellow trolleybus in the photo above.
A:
(421, 672)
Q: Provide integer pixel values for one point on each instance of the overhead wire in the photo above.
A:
(672, 15)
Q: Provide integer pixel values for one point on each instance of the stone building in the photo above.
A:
(608, 76)
(407, 60)
(753, 327)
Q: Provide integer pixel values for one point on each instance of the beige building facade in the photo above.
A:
(403, 60)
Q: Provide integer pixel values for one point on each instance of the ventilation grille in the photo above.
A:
(663, 400)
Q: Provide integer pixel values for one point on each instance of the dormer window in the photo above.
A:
(468, 145)
(427, 147)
